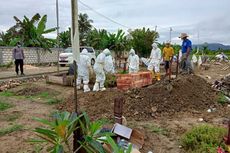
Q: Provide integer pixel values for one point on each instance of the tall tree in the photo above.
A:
(142, 40)
(85, 26)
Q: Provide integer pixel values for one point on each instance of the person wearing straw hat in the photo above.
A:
(186, 49)
(168, 52)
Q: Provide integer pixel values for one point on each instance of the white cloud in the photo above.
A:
(209, 16)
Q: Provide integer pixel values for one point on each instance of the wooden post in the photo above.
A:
(76, 145)
(228, 138)
(177, 65)
(118, 109)
(125, 65)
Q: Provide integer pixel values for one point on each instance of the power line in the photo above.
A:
(103, 15)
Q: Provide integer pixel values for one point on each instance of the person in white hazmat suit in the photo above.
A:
(99, 69)
(154, 64)
(84, 66)
(133, 62)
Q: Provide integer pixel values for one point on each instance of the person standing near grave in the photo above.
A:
(168, 53)
(18, 56)
(186, 54)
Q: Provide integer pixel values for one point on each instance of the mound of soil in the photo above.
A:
(189, 94)
(34, 90)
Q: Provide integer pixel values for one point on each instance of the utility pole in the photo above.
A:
(170, 34)
(76, 57)
(156, 28)
(58, 42)
(198, 41)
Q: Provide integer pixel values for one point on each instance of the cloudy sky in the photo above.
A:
(209, 18)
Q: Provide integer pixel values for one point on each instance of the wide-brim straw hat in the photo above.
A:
(183, 35)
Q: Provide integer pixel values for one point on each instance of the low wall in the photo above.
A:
(32, 55)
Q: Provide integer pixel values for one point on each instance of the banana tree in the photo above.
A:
(65, 38)
(31, 32)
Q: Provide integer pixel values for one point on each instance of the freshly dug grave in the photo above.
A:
(189, 94)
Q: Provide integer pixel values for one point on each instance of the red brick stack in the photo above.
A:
(135, 80)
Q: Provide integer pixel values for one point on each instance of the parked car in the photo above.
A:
(66, 58)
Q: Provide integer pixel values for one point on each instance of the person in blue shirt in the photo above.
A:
(186, 49)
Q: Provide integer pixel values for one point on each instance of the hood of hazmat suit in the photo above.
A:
(106, 52)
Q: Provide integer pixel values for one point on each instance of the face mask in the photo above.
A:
(19, 46)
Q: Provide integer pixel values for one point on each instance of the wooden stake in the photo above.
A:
(118, 109)
(177, 65)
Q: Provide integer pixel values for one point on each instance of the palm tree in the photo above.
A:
(84, 27)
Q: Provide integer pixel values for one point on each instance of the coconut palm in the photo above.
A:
(84, 27)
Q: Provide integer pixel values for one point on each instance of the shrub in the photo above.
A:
(203, 138)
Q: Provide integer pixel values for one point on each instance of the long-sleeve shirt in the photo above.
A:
(18, 53)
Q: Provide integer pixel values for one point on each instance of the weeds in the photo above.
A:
(156, 129)
(203, 138)
(5, 106)
(222, 99)
(11, 129)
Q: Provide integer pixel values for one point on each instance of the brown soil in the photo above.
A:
(189, 94)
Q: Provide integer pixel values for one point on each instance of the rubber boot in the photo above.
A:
(153, 74)
(96, 87)
(78, 87)
(102, 89)
(86, 88)
(158, 76)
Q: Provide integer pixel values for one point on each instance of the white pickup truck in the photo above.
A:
(66, 58)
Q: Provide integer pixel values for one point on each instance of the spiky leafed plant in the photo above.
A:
(59, 132)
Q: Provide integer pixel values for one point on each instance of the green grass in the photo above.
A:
(222, 99)
(10, 129)
(203, 138)
(7, 94)
(156, 129)
(44, 95)
(5, 106)
(11, 117)
(53, 101)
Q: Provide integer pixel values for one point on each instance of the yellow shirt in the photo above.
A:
(168, 53)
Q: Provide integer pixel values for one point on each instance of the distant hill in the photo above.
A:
(213, 46)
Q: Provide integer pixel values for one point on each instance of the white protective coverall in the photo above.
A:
(133, 62)
(84, 66)
(109, 65)
(99, 70)
(155, 58)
